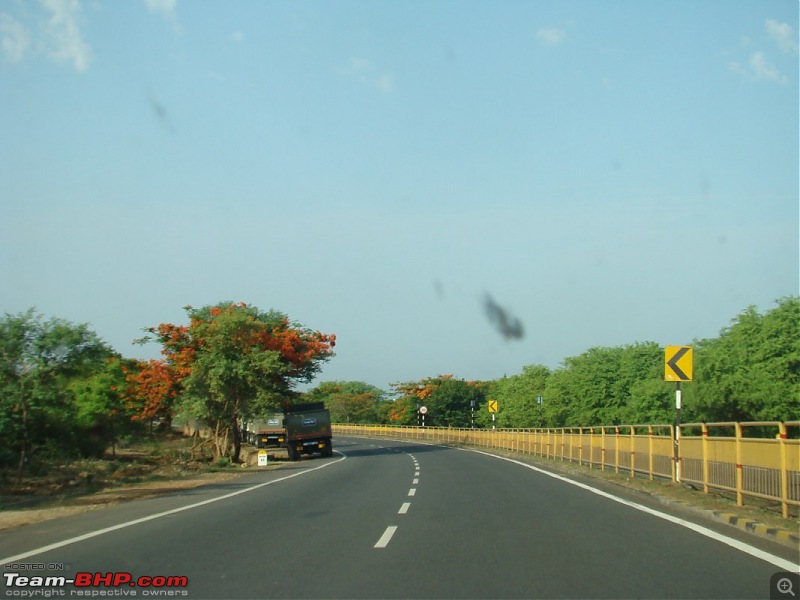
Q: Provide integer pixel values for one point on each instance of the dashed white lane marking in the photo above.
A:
(386, 537)
(390, 531)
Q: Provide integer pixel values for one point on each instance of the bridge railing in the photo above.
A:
(734, 458)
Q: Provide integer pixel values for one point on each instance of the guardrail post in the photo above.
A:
(739, 467)
(650, 452)
(616, 449)
(572, 444)
(705, 457)
(633, 452)
(782, 435)
(602, 448)
(539, 442)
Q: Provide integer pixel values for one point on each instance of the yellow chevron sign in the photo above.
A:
(678, 363)
(492, 406)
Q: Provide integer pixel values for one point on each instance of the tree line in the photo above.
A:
(750, 372)
(65, 393)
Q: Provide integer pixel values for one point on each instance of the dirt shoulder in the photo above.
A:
(141, 471)
(62, 507)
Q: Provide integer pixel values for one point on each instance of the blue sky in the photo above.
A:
(609, 172)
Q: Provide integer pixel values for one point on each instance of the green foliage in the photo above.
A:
(449, 401)
(449, 404)
(349, 401)
(517, 398)
(398, 411)
(101, 409)
(235, 362)
(751, 372)
(39, 360)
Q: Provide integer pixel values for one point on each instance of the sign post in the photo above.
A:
(539, 400)
(493, 410)
(423, 410)
(678, 368)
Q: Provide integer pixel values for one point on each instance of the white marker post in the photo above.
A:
(677, 430)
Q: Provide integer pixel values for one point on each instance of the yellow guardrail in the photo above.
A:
(717, 456)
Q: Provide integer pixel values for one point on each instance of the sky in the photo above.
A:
(600, 173)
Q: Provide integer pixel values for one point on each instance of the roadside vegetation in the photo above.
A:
(141, 461)
(66, 397)
(750, 372)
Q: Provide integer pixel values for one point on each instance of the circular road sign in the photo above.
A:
(423, 410)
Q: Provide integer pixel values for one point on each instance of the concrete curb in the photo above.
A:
(760, 529)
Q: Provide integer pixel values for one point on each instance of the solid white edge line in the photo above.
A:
(92, 534)
(386, 537)
(779, 562)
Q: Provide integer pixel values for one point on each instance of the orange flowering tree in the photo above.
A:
(232, 362)
(152, 388)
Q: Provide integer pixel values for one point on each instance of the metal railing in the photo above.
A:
(713, 456)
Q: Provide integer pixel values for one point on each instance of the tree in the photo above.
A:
(516, 396)
(751, 372)
(609, 386)
(448, 400)
(101, 403)
(452, 401)
(38, 360)
(349, 401)
(234, 362)
(153, 388)
(399, 411)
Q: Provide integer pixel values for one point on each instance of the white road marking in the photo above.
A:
(90, 535)
(412, 492)
(779, 562)
(415, 482)
(404, 509)
(386, 537)
(416, 474)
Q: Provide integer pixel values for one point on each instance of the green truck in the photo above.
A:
(301, 429)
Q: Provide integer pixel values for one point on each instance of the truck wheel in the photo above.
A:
(292, 452)
(327, 451)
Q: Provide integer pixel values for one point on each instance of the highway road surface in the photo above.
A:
(390, 519)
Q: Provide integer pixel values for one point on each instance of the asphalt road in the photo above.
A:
(384, 519)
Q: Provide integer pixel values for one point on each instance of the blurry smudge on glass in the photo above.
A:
(506, 324)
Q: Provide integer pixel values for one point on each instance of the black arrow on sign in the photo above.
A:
(673, 364)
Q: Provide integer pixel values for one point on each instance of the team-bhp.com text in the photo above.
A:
(95, 585)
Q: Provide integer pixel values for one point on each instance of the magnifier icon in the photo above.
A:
(784, 586)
